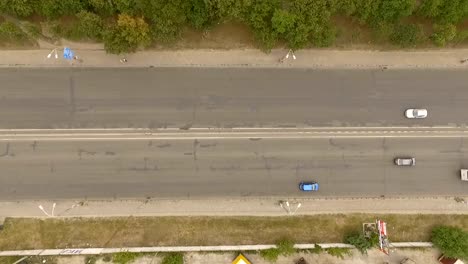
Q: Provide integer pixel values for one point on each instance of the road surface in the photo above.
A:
(191, 97)
(205, 164)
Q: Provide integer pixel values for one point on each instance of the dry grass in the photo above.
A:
(166, 231)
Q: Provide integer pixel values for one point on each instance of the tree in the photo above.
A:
(444, 11)
(89, 26)
(168, 17)
(103, 7)
(129, 7)
(53, 9)
(129, 34)
(394, 10)
(259, 16)
(361, 242)
(452, 241)
(22, 8)
(202, 14)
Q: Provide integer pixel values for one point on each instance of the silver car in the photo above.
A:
(405, 161)
(416, 113)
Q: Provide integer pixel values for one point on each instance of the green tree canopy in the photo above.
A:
(129, 34)
(452, 241)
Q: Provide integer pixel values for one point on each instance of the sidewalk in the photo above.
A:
(233, 207)
(374, 256)
(94, 56)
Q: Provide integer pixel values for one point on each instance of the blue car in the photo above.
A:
(309, 186)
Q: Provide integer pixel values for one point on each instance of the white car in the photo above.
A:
(416, 113)
(405, 161)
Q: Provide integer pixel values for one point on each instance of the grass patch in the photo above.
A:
(26, 233)
(173, 258)
(124, 257)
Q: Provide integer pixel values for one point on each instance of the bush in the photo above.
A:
(362, 243)
(452, 241)
(202, 14)
(407, 35)
(270, 254)
(89, 26)
(10, 33)
(124, 257)
(461, 37)
(284, 247)
(443, 34)
(53, 9)
(339, 252)
(258, 16)
(173, 258)
(444, 11)
(102, 7)
(393, 10)
(22, 8)
(129, 34)
(167, 17)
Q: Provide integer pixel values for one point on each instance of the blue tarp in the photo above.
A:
(68, 53)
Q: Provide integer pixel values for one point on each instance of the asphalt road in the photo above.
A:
(183, 98)
(197, 167)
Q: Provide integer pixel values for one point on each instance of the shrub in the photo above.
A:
(167, 17)
(129, 34)
(53, 9)
(270, 254)
(444, 11)
(173, 258)
(362, 243)
(124, 257)
(407, 35)
(443, 34)
(284, 247)
(202, 14)
(102, 7)
(22, 8)
(11, 33)
(452, 241)
(89, 26)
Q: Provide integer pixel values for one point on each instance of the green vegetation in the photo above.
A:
(26, 233)
(452, 241)
(443, 34)
(124, 257)
(284, 247)
(361, 242)
(173, 258)
(125, 25)
(339, 252)
(129, 34)
(407, 35)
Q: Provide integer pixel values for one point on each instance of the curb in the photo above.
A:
(97, 251)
